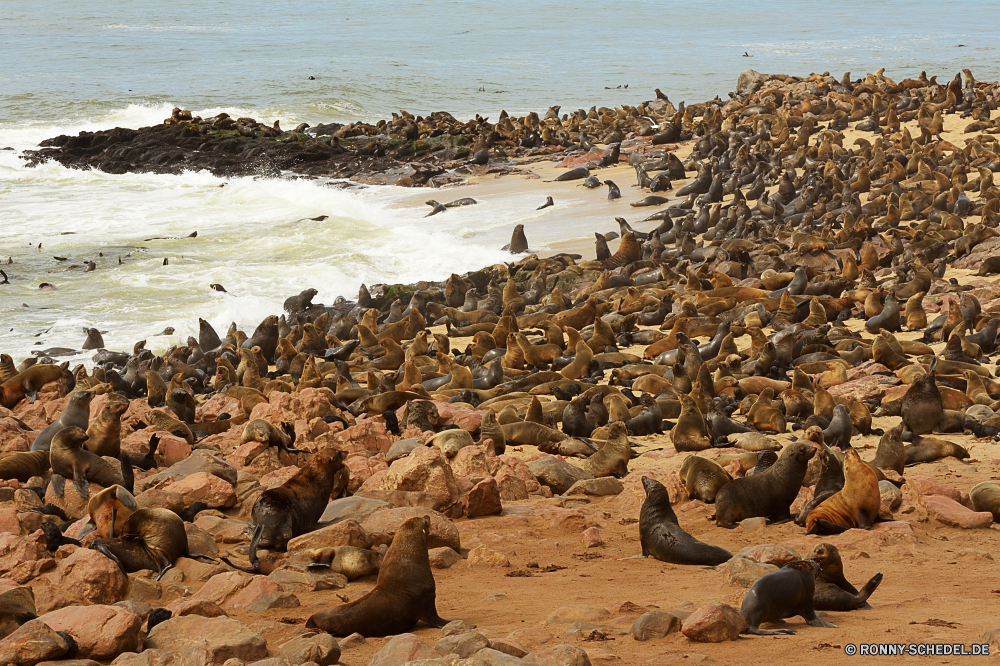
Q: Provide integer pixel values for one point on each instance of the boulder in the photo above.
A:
(402, 649)
(654, 624)
(236, 590)
(221, 637)
(424, 470)
(84, 578)
(592, 538)
(559, 655)
(320, 649)
(464, 644)
(483, 499)
(743, 572)
(199, 461)
(556, 474)
(443, 558)
(714, 623)
(382, 526)
(769, 553)
(352, 508)
(32, 643)
(949, 512)
(606, 485)
(101, 632)
(891, 496)
(204, 487)
(190, 606)
(344, 533)
(749, 82)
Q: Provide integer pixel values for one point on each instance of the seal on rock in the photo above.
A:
(404, 594)
(22, 465)
(348, 561)
(76, 414)
(151, 539)
(27, 383)
(70, 460)
(262, 431)
(662, 537)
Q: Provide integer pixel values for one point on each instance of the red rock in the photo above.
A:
(245, 453)
(382, 526)
(424, 470)
(200, 541)
(8, 521)
(368, 435)
(592, 538)
(86, 577)
(218, 404)
(519, 468)
(925, 485)
(202, 607)
(464, 418)
(204, 487)
(559, 655)
(321, 649)
(769, 553)
(950, 512)
(222, 637)
(31, 643)
(402, 649)
(714, 623)
(102, 632)
(512, 487)
(483, 499)
(344, 533)
(486, 557)
(654, 624)
(72, 503)
(160, 499)
(13, 437)
(173, 450)
(236, 590)
(743, 572)
(307, 404)
(443, 558)
(363, 468)
(470, 461)
(863, 388)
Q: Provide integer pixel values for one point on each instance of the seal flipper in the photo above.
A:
(103, 548)
(869, 589)
(80, 481)
(254, 560)
(128, 476)
(30, 392)
(58, 482)
(826, 527)
(816, 622)
(757, 631)
(431, 617)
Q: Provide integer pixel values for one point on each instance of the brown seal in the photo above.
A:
(261, 431)
(23, 465)
(518, 242)
(650, 419)
(109, 509)
(150, 539)
(833, 591)
(404, 594)
(985, 496)
(890, 453)
(703, 478)
(17, 606)
(770, 493)
(451, 441)
(71, 460)
(786, 592)
(690, 433)
(156, 389)
(662, 537)
(76, 414)
(490, 429)
(929, 449)
(525, 433)
(348, 561)
(175, 427)
(295, 507)
(104, 436)
(574, 418)
(27, 383)
(856, 505)
(612, 459)
(921, 406)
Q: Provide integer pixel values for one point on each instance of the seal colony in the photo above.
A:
(796, 296)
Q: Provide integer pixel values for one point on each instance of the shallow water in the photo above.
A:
(71, 66)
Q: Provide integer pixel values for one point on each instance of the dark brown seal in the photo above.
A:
(769, 494)
(71, 460)
(26, 384)
(295, 507)
(663, 539)
(151, 539)
(786, 592)
(23, 465)
(921, 406)
(404, 594)
(833, 592)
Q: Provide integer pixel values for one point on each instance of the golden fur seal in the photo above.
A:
(612, 459)
(690, 433)
(856, 505)
(27, 383)
(985, 496)
(104, 436)
(348, 561)
(404, 594)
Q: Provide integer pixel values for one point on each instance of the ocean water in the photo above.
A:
(73, 65)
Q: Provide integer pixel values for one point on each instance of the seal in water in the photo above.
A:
(662, 537)
(786, 592)
(76, 414)
(833, 592)
(150, 539)
(518, 243)
(548, 202)
(769, 494)
(295, 507)
(404, 594)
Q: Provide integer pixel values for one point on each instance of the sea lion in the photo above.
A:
(839, 432)
(17, 606)
(109, 509)
(70, 459)
(548, 202)
(831, 475)
(921, 406)
(261, 431)
(526, 433)
(985, 496)
(574, 418)
(76, 414)
(929, 449)
(833, 592)
(770, 493)
(703, 478)
(29, 381)
(891, 453)
(690, 433)
(856, 505)
(518, 241)
(104, 436)
(23, 465)
(661, 536)
(295, 507)
(612, 459)
(451, 441)
(613, 191)
(573, 174)
(490, 429)
(176, 427)
(348, 561)
(649, 421)
(151, 539)
(786, 592)
(404, 594)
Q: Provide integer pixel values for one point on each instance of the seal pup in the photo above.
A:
(613, 191)
(548, 202)
(70, 459)
(151, 539)
(786, 592)
(985, 496)
(76, 414)
(833, 592)
(856, 505)
(262, 431)
(612, 459)
(661, 536)
(295, 507)
(703, 478)
(404, 594)
(349, 561)
(769, 494)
